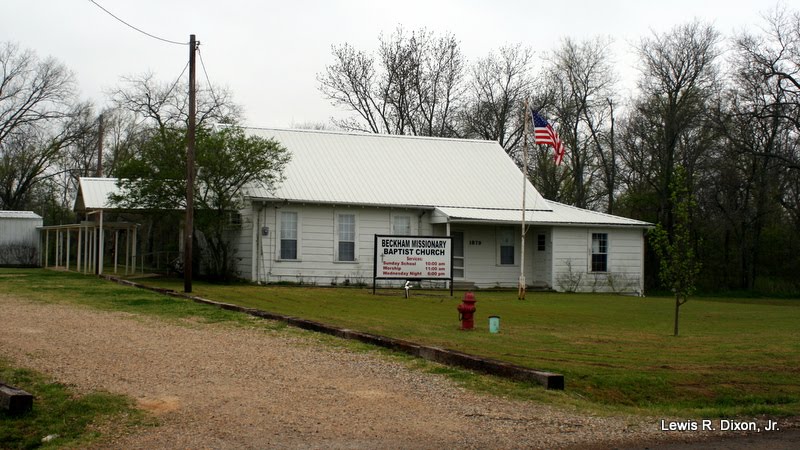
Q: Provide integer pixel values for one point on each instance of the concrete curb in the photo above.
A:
(441, 355)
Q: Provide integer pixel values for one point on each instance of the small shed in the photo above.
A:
(19, 238)
(85, 244)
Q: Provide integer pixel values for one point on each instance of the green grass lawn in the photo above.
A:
(733, 357)
(60, 414)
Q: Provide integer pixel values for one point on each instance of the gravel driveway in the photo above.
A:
(218, 386)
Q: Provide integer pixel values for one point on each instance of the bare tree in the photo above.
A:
(413, 86)
(39, 118)
(497, 90)
(583, 80)
(166, 106)
(774, 56)
(679, 79)
(121, 138)
(753, 173)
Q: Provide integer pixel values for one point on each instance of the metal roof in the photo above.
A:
(93, 193)
(558, 214)
(19, 215)
(391, 170)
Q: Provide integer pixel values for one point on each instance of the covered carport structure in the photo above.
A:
(89, 237)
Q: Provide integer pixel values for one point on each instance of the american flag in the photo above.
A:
(543, 133)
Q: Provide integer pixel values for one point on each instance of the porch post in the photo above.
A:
(127, 248)
(101, 246)
(46, 247)
(69, 233)
(86, 251)
(94, 250)
(133, 249)
(80, 242)
(116, 249)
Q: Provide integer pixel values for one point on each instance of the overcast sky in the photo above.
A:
(269, 53)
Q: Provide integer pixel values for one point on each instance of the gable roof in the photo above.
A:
(93, 193)
(391, 170)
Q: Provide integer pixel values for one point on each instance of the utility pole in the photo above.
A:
(99, 172)
(189, 225)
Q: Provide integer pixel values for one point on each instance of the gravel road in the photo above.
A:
(218, 386)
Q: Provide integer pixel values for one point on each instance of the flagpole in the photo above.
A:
(521, 293)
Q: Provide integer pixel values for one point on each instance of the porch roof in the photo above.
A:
(557, 214)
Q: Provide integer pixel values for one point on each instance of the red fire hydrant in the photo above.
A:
(466, 311)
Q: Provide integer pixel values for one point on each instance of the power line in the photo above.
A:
(138, 29)
(208, 80)
(177, 80)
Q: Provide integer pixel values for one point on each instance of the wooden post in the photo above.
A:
(46, 247)
(69, 233)
(116, 249)
(127, 249)
(86, 249)
(94, 250)
(78, 266)
(133, 250)
(190, 135)
(99, 172)
(100, 245)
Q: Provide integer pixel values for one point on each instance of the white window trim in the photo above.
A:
(278, 225)
(336, 236)
(410, 222)
(608, 252)
(516, 239)
(463, 257)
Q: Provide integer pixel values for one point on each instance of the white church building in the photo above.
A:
(342, 189)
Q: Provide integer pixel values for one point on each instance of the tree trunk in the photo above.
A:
(677, 310)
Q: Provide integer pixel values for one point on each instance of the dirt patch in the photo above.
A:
(159, 405)
(216, 386)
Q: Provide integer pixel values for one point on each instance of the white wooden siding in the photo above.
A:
(572, 256)
(482, 263)
(242, 240)
(316, 262)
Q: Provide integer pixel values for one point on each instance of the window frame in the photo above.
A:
(279, 235)
(603, 236)
(499, 236)
(337, 239)
(395, 216)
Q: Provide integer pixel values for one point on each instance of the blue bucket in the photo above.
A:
(494, 324)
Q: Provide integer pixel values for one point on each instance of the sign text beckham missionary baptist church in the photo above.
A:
(413, 257)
